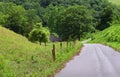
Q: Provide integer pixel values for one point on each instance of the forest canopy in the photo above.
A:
(83, 16)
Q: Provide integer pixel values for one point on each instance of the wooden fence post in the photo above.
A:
(67, 43)
(60, 45)
(74, 43)
(70, 44)
(53, 52)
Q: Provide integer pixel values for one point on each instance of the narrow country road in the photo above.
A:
(95, 60)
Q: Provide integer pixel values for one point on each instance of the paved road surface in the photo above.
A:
(95, 60)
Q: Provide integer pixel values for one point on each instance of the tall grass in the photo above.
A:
(109, 36)
(21, 58)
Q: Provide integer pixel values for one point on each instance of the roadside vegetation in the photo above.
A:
(117, 2)
(21, 58)
(74, 18)
(27, 25)
(109, 36)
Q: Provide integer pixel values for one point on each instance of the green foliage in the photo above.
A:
(55, 34)
(117, 2)
(38, 26)
(5, 70)
(111, 34)
(32, 18)
(53, 19)
(73, 22)
(16, 18)
(21, 58)
(115, 45)
(110, 15)
(13, 16)
(39, 33)
(21, 15)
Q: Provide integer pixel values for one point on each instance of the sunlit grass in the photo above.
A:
(115, 45)
(117, 2)
(21, 58)
(109, 36)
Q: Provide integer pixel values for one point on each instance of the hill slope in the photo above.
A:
(21, 58)
(117, 2)
(109, 36)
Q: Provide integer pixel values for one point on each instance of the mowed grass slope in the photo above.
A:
(21, 58)
(117, 2)
(109, 36)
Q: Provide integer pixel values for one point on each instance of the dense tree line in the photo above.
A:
(73, 22)
(70, 19)
(16, 18)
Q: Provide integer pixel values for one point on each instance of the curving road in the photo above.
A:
(95, 60)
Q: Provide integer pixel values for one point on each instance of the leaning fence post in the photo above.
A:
(53, 52)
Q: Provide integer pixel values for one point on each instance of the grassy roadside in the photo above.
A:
(114, 45)
(21, 58)
(109, 36)
(117, 2)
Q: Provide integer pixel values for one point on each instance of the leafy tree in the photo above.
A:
(46, 14)
(43, 13)
(21, 15)
(3, 18)
(73, 22)
(109, 15)
(13, 17)
(32, 18)
(39, 34)
(52, 19)
(45, 3)
(54, 15)
(16, 18)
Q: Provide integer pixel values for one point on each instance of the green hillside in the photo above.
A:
(21, 58)
(115, 1)
(109, 36)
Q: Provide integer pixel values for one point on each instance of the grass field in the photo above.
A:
(21, 58)
(117, 2)
(109, 36)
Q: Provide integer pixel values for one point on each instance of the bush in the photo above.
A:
(39, 34)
